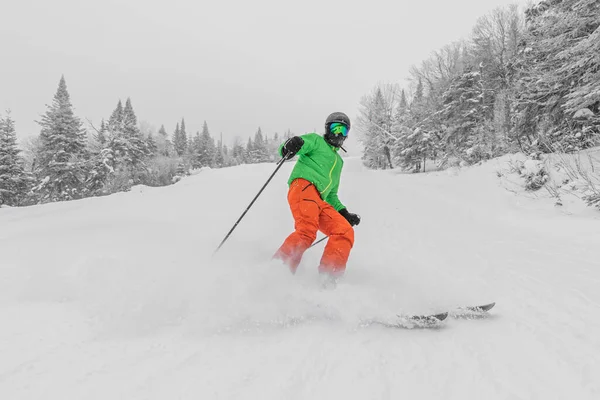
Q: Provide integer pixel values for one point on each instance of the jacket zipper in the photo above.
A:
(330, 172)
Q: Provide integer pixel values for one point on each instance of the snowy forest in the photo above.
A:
(69, 161)
(522, 82)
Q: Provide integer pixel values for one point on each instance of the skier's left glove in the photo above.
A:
(353, 219)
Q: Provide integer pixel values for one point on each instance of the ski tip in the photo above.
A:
(486, 307)
(479, 309)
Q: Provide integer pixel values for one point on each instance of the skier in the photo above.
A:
(313, 198)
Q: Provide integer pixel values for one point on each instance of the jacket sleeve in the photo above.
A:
(310, 143)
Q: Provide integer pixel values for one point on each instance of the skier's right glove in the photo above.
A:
(292, 146)
(354, 219)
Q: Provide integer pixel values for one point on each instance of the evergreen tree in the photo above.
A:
(101, 136)
(14, 181)
(237, 152)
(180, 139)
(116, 120)
(152, 146)
(130, 128)
(177, 146)
(115, 141)
(219, 154)
(403, 106)
(100, 171)
(558, 76)
(419, 96)
(402, 131)
(463, 110)
(494, 48)
(183, 135)
(162, 141)
(137, 145)
(197, 151)
(259, 152)
(416, 128)
(376, 123)
(249, 152)
(59, 165)
(126, 149)
(207, 150)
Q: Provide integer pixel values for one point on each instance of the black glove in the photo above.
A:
(354, 219)
(292, 146)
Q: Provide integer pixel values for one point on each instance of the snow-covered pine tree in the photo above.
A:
(418, 144)
(249, 152)
(162, 141)
(115, 140)
(130, 127)
(402, 128)
(558, 75)
(219, 156)
(136, 143)
(101, 134)
(115, 122)
(122, 161)
(176, 140)
(259, 152)
(151, 145)
(494, 46)
(237, 152)
(60, 164)
(180, 139)
(581, 64)
(14, 181)
(375, 125)
(463, 110)
(99, 172)
(101, 162)
(207, 149)
(196, 148)
(419, 93)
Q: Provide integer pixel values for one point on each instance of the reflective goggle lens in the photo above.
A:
(338, 128)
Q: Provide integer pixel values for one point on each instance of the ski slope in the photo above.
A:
(120, 297)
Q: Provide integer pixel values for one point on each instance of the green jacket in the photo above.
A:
(319, 163)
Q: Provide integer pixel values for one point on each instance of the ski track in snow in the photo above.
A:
(120, 297)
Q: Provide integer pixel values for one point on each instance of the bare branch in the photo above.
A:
(92, 125)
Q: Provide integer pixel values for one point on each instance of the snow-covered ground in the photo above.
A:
(121, 297)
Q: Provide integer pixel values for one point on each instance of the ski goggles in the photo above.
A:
(337, 128)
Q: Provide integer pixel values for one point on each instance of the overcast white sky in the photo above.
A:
(236, 64)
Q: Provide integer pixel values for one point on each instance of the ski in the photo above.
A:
(427, 321)
(411, 321)
(432, 321)
(404, 321)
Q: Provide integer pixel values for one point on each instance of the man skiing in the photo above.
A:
(313, 198)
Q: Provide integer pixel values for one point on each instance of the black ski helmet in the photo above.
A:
(332, 139)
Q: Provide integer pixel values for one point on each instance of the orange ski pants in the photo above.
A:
(310, 214)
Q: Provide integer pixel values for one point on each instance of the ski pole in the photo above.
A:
(318, 241)
(279, 164)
